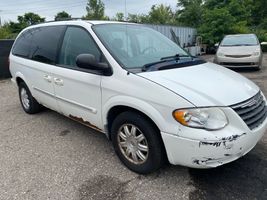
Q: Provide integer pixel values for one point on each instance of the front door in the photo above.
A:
(78, 90)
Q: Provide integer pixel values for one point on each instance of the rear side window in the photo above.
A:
(77, 41)
(45, 43)
(23, 44)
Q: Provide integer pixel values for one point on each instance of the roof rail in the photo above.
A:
(60, 19)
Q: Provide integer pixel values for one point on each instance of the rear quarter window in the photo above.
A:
(23, 44)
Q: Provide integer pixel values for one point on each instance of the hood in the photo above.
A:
(239, 50)
(207, 84)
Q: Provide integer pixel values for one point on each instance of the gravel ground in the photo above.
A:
(48, 156)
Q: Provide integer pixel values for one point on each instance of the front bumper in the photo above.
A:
(252, 61)
(232, 142)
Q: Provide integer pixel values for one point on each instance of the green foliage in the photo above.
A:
(216, 23)
(29, 19)
(119, 17)
(11, 29)
(138, 18)
(5, 33)
(95, 10)
(160, 14)
(62, 15)
(216, 18)
(189, 12)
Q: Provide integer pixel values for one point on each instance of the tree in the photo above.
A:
(216, 23)
(189, 12)
(119, 16)
(160, 14)
(62, 15)
(95, 10)
(138, 18)
(30, 18)
(5, 32)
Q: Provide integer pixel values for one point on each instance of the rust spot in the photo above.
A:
(86, 123)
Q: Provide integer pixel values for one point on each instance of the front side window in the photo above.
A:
(134, 46)
(77, 41)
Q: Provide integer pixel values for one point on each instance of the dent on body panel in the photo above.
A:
(224, 141)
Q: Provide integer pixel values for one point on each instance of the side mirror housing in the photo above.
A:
(88, 61)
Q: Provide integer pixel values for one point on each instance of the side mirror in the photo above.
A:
(264, 43)
(88, 61)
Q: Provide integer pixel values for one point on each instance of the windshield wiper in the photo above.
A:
(163, 60)
(148, 65)
(175, 57)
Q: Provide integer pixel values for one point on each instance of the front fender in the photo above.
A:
(137, 104)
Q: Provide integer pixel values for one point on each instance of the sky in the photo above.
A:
(10, 9)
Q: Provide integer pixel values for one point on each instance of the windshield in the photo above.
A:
(240, 40)
(134, 46)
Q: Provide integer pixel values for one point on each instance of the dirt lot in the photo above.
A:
(48, 156)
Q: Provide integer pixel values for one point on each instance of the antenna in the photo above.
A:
(125, 11)
(126, 19)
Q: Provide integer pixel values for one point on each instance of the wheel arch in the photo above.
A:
(19, 77)
(117, 105)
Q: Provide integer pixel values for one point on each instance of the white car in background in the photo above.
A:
(243, 50)
(149, 96)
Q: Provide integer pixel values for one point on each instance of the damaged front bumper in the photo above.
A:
(211, 149)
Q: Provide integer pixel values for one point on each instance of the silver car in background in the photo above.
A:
(243, 50)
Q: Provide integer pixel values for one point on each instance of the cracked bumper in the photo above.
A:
(211, 153)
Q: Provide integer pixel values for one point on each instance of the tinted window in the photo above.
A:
(45, 43)
(22, 44)
(77, 41)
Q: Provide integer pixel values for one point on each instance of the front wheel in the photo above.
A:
(137, 142)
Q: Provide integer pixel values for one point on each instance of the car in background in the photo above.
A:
(242, 50)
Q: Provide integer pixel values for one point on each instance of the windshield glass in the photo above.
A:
(134, 46)
(240, 40)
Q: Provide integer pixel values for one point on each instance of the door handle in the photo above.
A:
(58, 81)
(48, 78)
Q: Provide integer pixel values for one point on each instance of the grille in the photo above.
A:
(237, 64)
(253, 111)
(238, 56)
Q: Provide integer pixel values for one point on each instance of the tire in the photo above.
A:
(154, 153)
(258, 68)
(31, 106)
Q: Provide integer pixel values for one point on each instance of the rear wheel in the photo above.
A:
(137, 142)
(28, 102)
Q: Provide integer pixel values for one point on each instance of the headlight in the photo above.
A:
(256, 53)
(205, 118)
(220, 54)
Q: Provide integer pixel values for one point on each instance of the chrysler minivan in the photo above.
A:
(153, 100)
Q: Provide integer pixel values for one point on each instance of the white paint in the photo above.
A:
(157, 94)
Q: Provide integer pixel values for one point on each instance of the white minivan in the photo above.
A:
(153, 100)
